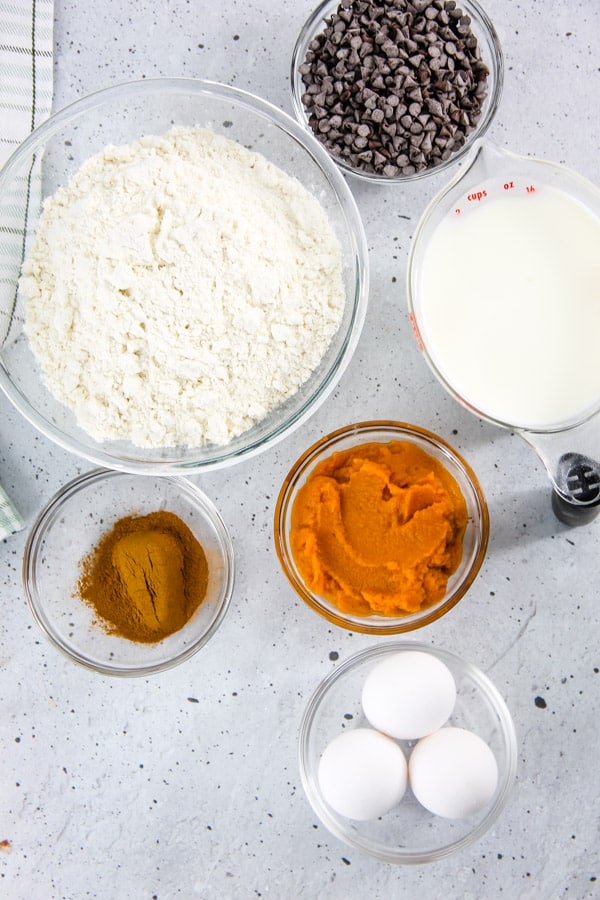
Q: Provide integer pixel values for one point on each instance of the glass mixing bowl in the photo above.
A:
(54, 152)
(475, 539)
(70, 527)
(409, 834)
(491, 54)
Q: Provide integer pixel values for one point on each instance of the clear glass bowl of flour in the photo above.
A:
(122, 115)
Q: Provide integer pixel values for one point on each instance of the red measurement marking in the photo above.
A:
(530, 189)
(416, 331)
(457, 210)
(508, 185)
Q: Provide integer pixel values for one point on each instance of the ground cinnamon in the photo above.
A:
(146, 577)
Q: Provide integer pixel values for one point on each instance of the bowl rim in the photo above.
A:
(506, 726)
(314, 24)
(397, 430)
(357, 250)
(46, 518)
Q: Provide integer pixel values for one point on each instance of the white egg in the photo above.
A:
(453, 773)
(409, 694)
(362, 774)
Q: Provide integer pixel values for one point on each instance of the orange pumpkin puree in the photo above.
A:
(378, 529)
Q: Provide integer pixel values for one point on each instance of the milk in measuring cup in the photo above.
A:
(509, 304)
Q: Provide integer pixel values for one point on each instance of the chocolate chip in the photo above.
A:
(394, 86)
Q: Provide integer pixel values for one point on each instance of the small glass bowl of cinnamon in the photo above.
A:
(129, 574)
(381, 527)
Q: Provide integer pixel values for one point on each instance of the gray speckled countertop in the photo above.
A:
(186, 784)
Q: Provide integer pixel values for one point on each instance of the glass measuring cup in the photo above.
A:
(503, 295)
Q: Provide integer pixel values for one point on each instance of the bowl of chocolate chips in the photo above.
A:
(397, 89)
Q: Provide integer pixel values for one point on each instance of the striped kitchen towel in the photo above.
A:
(26, 85)
(10, 520)
(26, 45)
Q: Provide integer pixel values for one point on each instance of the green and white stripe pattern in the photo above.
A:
(26, 51)
(10, 520)
(26, 83)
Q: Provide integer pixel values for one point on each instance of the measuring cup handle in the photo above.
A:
(574, 473)
(573, 514)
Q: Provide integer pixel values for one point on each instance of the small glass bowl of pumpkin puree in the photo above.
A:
(381, 527)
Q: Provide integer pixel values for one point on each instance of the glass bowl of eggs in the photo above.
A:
(218, 288)
(407, 752)
(381, 527)
(401, 91)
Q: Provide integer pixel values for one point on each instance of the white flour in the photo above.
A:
(179, 289)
